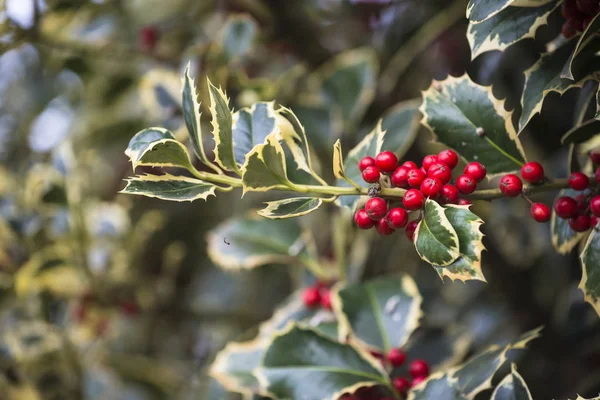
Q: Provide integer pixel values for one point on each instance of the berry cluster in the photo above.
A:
(578, 15)
(317, 295)
(433, 179)
(583, 210)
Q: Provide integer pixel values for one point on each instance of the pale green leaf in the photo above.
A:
(169, 187)
(237, 37)
(265, 167)
(436, 239)
(290, 208)
(222, 124)
(251, 127)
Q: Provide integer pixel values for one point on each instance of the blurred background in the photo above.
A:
(104, 296)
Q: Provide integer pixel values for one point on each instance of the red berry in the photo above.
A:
(326, 299)
(449, 194)
(366, 162)
(475, 171)
(578, 181)
(413, 199)
(415, 177)
(595, 156)
(410, 165)
(417, 381)
(595, 205)
(567, 30)
(383, 228)
(589, 7)
(565, 207)
(540, 212)
(597, 175)
(400, 177)
(423, 170)
(311, 297)
(581, 201)
(376, 208)
(386, 161)
(580, 223)
(448, 157)
(371, 175)
(465, 184)
(362, 220)
(410, 230)
(569, 9)
(463, 202)
(593, 221)
(532, 172)
(428, 161)
(441, 172)
(511, 185)
(576, 23)
(396, 357)
(148, 38)
(401, 385)
(397, 217)
(431, 187)
(419, 368)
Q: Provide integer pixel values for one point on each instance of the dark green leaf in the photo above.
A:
(251, 127)
(265, 167)
(435, 239)
(401, 124)
(235, 364)
(564, 239)
(222, 124)
(439, 387)
(513, 387)
(323, 124)
(468, 118)
(289, 208)
(584, 40)
(329, 329)
(582, 133)
(380, 314)
(169, 187)
(590, 274)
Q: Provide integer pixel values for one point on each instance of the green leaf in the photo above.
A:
(468, 118)
(438, 386)
(436, 240)
(507, 27)
(371, 145)
(564, 239)
(235, 364)
(237, 37)
(380, 314)
(323, 124)
(222, 124)
(582, 132)
(265, 167)
(294, 136)
(252, 241)
(289, 208)
(169, 187)
(470, 245)
(513, 387)
(597, 115)
(157, 147)
(292, 309)
(401, 124)
(329, 329)
(299, 357)
(590, 274)
(348, 81)
(251, 127)
(481, 10)
(584, 40)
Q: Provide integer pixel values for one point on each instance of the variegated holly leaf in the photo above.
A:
(507, 27)
(290, 208)
(265, 167)
(436, 239)
(470, 245)
(582, 132)
(252, 241)
(564, 239)
(438, 386)
(338, 165)
(401, 125)
(380, 314)
(590, 274)
(348, 82)
(222, 124)
(298, 358)
(234, 366)
(323, 124)
(481, 10)
(468, 118)
(544, 78)
(597, 115)
(294, 136)
(512, 387)
(251, 126)
(585, 40)
(329, 329)
(169, 187)
(581, 398)
(371, 145)
(157, 147)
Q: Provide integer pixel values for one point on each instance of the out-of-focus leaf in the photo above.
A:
(237, 37)
(584, 40)
(401, 125)
(590, 274)
(513, 387)
(582, 133)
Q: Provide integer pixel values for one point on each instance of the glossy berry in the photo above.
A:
(419, 368)
(376, 208)
(386, 161)
(431, 187)
(589, 7)
(448, 157)
(511, 185)
(410, 230)
(463, 202)
(580, 223)
(576, 23)
(148, 38)
(578, 181)
(465, 184)
(441, 172)
(423, 170)
(401, 385)
(362, 220)
(449, 194)
(428, 161)
(567, 30)
(565, 207)
(417, 381)
(311, 297)
(570, 10)
(383, 227)
(413, 200)
(410, 165)
(397, 218)
(415, 177)
(540, 212)
(371, 175)
(595, 157)
(532, 172)
(595, 205)
(326, 299)
(475, 171)
(400, 177)
(396, 357)
(366, 162)
(581, 201)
